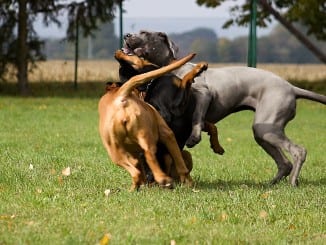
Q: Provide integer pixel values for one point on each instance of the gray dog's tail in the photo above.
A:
(306, 94)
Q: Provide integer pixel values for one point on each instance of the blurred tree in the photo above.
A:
(282, 47)
(19, 43)
(103, 45)
(203, 41)
(205, 50)
(309, 13)
(238, 50)
(223, 49)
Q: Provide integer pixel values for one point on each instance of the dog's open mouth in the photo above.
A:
(127, 50)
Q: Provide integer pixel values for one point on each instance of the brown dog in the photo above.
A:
(129, 126)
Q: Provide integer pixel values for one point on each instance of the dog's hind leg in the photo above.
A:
(170, 168)
(149, 152)
(273, 140)
(283, 164)
(130, 163)
(270, 121)
(166, 136)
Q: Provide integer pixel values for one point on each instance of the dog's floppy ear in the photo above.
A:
(172, 47)
(141, 52)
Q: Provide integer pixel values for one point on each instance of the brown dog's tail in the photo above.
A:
(138, 80)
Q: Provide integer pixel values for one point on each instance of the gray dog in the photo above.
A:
(222, 91)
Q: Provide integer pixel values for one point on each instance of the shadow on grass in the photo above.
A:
(230, 185)
(96, 89)
(249, 184)
(57, 89)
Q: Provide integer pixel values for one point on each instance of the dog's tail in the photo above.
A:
(137, 80)
(306, 94)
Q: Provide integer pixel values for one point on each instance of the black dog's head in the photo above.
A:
(152, 46)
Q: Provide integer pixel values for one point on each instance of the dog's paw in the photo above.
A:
(119, 54)
(166, 183)
(187, 180)
(193, 140)
(200, 67)
(218, 149)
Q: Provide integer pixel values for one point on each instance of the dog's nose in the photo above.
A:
(127, 35)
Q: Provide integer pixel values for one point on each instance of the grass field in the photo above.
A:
(41, 202)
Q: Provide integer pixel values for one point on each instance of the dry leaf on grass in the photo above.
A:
(105, 239)
(224, 216)
(66, 171)
(107, 192)
(266, 194)
(4, 217)
(60, 180)
(291, 227)
(263, 214)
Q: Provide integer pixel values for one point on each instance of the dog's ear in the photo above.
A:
(140, 52)
(172, 47)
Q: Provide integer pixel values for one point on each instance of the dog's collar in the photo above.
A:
(150, 83)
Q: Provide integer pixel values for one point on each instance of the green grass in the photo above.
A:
(230, 204)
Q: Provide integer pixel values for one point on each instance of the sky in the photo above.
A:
(173, 8)
(171, 16)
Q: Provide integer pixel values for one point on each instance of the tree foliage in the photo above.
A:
(9, 39)
(19, 43)
(308, 13)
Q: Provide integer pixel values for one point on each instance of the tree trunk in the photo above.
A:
(302, 38)
(22, 49)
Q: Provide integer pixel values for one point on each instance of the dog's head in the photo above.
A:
(152, 46)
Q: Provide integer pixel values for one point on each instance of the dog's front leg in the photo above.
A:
(129, 163)
(203, 99)
(211, 130)
(136, 62)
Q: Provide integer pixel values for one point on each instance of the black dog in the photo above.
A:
(173, 99)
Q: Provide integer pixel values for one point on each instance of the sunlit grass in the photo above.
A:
(231, 202)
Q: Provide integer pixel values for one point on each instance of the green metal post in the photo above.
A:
(121, 24)
(76, 52)
(252, 44)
